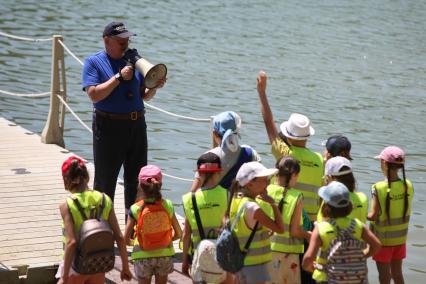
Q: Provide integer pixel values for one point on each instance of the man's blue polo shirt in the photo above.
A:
(125, 98)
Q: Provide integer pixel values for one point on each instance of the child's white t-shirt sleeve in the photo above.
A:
(251, 208)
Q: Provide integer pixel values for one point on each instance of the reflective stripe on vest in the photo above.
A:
(259, 251)
(137, 252)
(284, 242)
(393, 231)
(87, 199)
(327, 234)
(310, 178)
(212, 204)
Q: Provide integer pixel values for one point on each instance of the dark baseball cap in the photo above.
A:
(117, 29)
(337, 144)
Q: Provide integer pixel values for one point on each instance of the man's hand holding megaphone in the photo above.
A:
(155, 75)
(127, 72)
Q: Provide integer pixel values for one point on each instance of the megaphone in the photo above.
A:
(152, 73)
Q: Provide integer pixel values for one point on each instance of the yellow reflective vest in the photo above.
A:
(392, 232)
(139, 253)
(212, 204)
(284, 242)
(359, 207)
(259, 251)
(88, 199)
(310, 176)
(328, 233)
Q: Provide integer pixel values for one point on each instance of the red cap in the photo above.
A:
(209, 163)
(150, 174)
(67, 163)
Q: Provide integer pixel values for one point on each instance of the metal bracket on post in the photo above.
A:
(53, 132)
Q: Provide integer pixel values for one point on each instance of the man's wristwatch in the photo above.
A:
(119, 77)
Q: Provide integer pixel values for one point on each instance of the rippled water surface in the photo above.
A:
(354, 68)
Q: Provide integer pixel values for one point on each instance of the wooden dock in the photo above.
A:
(31, 189)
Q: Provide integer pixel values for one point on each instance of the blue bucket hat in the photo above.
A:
(335, 194)
(227, 125)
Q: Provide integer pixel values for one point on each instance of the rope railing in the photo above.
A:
(74, 114)
(67, 106)
(45, 94)
(70, 52)
(24, 38)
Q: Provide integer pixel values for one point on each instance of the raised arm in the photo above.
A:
(268, 119)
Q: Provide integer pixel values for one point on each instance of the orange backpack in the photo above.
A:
(154, 229)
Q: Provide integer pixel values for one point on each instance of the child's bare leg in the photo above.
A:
(384, 272)
(396, 270)
(160, 279)
(145, 281)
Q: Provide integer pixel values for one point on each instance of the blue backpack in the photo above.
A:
(228, 253)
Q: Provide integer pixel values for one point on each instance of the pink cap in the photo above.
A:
(392, 154)
(150, 174)
(67, 163)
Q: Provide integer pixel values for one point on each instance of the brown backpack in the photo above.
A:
(95, 249)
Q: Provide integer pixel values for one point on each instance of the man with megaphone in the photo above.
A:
(117, 81)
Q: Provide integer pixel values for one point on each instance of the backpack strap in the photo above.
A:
(197, 216)
(253, 231)
(101, 207)
(80, 209)
(348, 230)
(250, 239)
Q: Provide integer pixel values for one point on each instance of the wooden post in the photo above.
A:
(53, 132)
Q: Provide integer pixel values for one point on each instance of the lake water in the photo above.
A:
(356, 68)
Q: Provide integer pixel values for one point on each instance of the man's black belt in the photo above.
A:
(134, 115)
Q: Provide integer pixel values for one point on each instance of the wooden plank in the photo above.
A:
(30, 223)
(32, 188)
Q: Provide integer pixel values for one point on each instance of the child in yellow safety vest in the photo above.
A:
(211, 201)
(340, 169)
(390, 214)
(337, 206)
(156, 228)
(76, 179)
(252, 180)
(287, 247)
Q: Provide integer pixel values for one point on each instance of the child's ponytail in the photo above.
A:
(405, 194)
(387, 202)
(76, 175)
(152, 190)
(287, 166)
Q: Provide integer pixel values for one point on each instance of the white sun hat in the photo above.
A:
(297, 127)
(335, 164)
(249, 171)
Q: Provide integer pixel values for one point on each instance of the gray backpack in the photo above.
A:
(346, 262)
(229, 256)
(95, 249)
